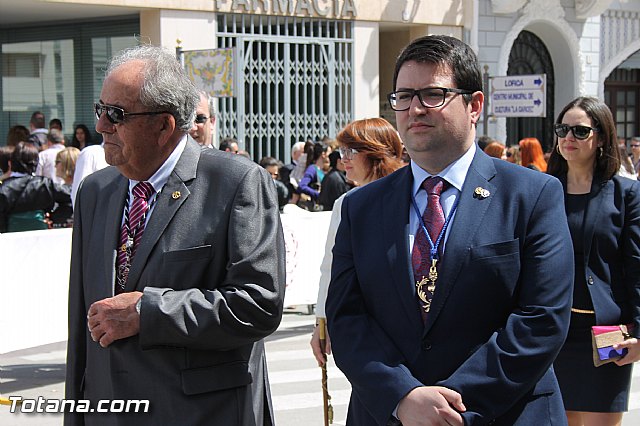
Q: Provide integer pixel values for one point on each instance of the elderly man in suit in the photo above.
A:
(177, 268)
(453, 311)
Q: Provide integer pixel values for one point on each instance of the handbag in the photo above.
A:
(603, 337)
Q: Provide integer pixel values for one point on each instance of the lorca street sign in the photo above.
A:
(518, 95)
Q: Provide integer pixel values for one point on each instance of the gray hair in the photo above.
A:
(55, 136)
(211, 102)
(165, 86)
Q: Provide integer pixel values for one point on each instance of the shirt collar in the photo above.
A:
(455, 173)
(161, 176)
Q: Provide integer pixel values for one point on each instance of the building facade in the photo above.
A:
(305, 68)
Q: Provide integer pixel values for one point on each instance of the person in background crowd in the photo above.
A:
(229, 145)
(177, 263)
(26, 198)
(17, 134)
(205, 120)
(635, 154)
(245, 154)
(91, 159)
(5, 162)
(286, 172)
(334, 183)
(314, 172)
(531, 155)
(603, 210)
(513, 154)
(38, 131)
(496, 150)
(626, 167)
(62, 214)
(485, 140)
(47, 160)
(81, 137)
(465, 332)
(370, 149)
(55, 123)
(273, 166)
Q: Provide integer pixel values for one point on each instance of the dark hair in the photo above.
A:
(55, 123)
(444, 50)
(88, 137)
(5, 156)
(378, 141)
(314, 151)
(484, 141)
(37, 119)
(17, 133)
(333, 159)
(268, 161)
(24, 158)
(608, 163)
(226, 144)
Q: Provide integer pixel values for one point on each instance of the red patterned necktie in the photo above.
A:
(131, 232)
(433, 217)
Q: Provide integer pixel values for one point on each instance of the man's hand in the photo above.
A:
(114, 318)
(431, 405)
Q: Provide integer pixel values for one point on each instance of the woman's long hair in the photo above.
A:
(24, 158)
(531, 154)
(607, 161)
(378, 141)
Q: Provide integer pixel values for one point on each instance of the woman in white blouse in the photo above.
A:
(370, 149)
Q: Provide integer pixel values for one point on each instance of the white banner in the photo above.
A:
(35, 277)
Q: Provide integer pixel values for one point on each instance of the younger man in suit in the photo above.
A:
(453, 311)
(177, 268)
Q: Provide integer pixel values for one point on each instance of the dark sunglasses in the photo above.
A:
(579, 132)
(116, 115)
(634, 145)
(201, 118)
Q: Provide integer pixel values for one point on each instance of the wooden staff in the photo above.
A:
(326, 398)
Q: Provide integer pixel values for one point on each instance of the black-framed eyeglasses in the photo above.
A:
(201, 118)
(347, 153)
(579, 132)
(430, 97)
(116, 115)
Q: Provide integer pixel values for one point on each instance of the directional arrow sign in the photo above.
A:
(518, 96)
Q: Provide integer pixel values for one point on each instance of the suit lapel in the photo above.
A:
(113, 225)
(173, 195)
(597, 195)
(466, 222)
(396, 234)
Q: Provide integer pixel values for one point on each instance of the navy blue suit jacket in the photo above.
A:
(501, 307)
(611, 263)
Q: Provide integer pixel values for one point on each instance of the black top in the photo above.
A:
(334, 185)
(576, 206)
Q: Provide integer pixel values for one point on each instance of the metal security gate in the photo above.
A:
(295, 81)
(529, 55)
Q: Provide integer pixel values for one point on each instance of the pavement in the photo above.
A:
(293, 373)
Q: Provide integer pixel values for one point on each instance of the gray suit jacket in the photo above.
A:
(211, 266)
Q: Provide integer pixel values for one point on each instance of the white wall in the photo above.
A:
(366, 73)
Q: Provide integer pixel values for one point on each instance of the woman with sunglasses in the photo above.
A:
(370, 149)
(603, 212)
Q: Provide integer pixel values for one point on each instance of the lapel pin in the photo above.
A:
(176, 195)
(481, 193)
